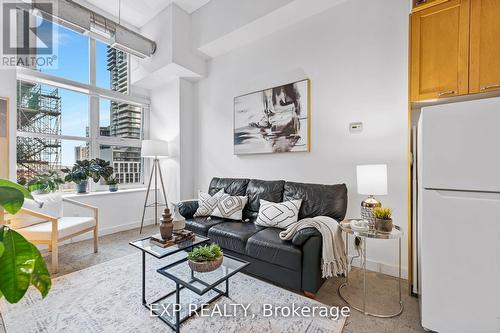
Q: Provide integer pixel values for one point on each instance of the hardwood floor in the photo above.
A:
(382, 296)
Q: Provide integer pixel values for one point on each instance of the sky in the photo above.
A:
(72, 51)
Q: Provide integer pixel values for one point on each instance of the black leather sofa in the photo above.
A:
(294, 264)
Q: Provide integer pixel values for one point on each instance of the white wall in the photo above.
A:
(355, 55)
(118, 211)
(171, 119)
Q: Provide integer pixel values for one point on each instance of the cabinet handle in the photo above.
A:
(483, 88)
(444, 93)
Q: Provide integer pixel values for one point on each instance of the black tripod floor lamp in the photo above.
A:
(155, 150)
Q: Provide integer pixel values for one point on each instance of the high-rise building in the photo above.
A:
(125, 121)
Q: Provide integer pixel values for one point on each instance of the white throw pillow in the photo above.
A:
(278, 214)
(230, 207)
(207, 203)
(51, 204)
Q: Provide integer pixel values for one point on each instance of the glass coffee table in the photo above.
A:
(158, 252)
(199, 283)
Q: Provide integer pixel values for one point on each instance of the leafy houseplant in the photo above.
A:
(78, 174)
(383, 220)
(100, 168)
(113, 184)
(205, 258)
(21, 264)
(43, 183)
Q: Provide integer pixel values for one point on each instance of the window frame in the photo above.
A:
(94, 93)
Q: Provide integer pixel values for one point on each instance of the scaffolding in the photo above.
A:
(38, 111)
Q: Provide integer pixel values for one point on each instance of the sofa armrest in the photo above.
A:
(187, 208)
(303, 235)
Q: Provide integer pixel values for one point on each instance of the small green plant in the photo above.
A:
(111, 181)
(205, 253)
(100, 168)
(382, 213)
(79, 173)
(44, 182)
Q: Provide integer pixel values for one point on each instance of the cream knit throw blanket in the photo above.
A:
(334, 257)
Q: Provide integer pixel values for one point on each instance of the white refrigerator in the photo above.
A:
(458, 149)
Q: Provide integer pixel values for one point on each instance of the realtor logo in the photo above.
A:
(27, 36)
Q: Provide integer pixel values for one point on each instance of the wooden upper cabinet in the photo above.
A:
(439, 51)
(484, 46)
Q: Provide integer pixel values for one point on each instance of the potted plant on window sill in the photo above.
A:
(112, 183)
(78, 174)
(205, 258)
(43, 183)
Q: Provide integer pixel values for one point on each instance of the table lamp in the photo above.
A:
(372, 180)
(154, 149)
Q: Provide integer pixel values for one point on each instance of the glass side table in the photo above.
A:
(396, 233)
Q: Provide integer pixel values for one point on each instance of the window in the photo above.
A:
(58, 126)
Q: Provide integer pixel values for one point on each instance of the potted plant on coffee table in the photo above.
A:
(78, 174)
(383, 220)
(205, 258)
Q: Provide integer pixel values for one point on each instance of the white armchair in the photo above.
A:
(52, 230)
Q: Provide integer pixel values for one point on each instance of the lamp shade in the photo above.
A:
(372, 179)
(154, 149)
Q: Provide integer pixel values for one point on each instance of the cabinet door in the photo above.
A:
(439, 51)
(485, 46)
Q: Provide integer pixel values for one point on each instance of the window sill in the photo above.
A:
(102, 193)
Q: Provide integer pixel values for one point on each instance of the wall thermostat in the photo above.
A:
(355, 128)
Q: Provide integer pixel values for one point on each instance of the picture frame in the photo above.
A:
(273, 120)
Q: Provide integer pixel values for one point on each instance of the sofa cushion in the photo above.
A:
(200, 225)
(262, 189)
(267, 246)
(230, 207)
(318, 200)
(278, 214)
(233, 235)
(231, 186)
(207, 203)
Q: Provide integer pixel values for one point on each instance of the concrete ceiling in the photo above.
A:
(139, 12)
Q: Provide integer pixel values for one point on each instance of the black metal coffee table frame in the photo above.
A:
(189, 245)
(181, 284)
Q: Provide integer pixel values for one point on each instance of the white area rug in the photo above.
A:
(107, 298)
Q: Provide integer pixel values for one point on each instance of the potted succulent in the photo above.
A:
(78, 174)
(383, 220)
(112, 183)
(205, 258)
(43, 183)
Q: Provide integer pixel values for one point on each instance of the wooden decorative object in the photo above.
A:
(166, 226)
(180, 237)
(206, 266)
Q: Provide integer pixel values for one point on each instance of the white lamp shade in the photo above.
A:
(372, 179)
(154, 149)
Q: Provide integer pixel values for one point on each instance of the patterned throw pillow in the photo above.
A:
(207, 203)
(230, 207)
(278, 214)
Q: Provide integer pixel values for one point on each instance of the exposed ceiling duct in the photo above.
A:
(83, 20)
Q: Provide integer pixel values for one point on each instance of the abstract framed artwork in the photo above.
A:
(273, 120)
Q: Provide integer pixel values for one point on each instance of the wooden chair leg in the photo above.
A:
(309, 294)
(96, 240)
(55, 258)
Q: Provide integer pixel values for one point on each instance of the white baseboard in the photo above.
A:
(380, 267)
